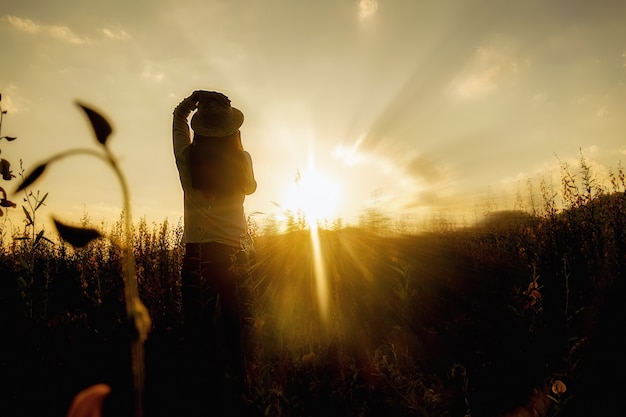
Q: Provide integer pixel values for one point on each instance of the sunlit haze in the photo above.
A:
(412, 107)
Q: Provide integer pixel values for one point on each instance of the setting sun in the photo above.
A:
(312, 195)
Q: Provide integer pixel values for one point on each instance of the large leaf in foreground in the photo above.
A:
(76, 236)
(32, 177)
(100, 125)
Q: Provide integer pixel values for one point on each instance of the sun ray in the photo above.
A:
(321, 279)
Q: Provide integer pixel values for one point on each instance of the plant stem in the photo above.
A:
(130, 290)
(131, 294)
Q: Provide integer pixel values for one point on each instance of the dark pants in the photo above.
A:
(214, 305)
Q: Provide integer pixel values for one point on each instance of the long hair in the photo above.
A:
(217, 165)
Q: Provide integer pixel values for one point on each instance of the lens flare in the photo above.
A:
(312, 195)
(321, 279)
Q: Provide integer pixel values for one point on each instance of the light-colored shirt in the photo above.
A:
(208, 219)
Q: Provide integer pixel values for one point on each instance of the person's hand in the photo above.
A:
(203, 97)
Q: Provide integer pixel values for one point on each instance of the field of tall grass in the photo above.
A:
(521, 314)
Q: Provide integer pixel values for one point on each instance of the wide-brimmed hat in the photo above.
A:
(216, 118)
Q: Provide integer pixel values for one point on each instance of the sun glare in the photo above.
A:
(313, 196)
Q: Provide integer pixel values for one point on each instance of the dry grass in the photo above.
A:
(479, 322)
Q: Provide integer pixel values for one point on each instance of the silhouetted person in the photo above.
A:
(216, 174)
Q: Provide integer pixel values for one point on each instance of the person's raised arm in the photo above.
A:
(180, 127)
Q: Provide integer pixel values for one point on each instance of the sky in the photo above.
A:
(406, 106)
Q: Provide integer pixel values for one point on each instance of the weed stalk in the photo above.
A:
(137, 314)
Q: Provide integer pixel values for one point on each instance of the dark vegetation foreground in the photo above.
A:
(523, 316)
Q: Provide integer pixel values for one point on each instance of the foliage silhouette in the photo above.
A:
(101, 127)
(137, 314)
(76, 236)
(5, 166)
(510, 318)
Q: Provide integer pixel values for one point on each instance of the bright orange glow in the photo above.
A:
(321, 280)
(314, 196)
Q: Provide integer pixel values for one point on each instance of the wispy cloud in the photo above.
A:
(25, 25)
(422, 168)
(602, 112)
(488, 69)
(117, 35)
(367, 9)
(151, 73)
(63, 33)
(8, 104)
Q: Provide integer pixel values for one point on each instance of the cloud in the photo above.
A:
(422, 168)
(367, 9)
(8, 104)
(62, 33)
(489, 68)
(602, 112)
(119, 35)
(478, 84)
(59, 32)
(25, 25)
(150, 73)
